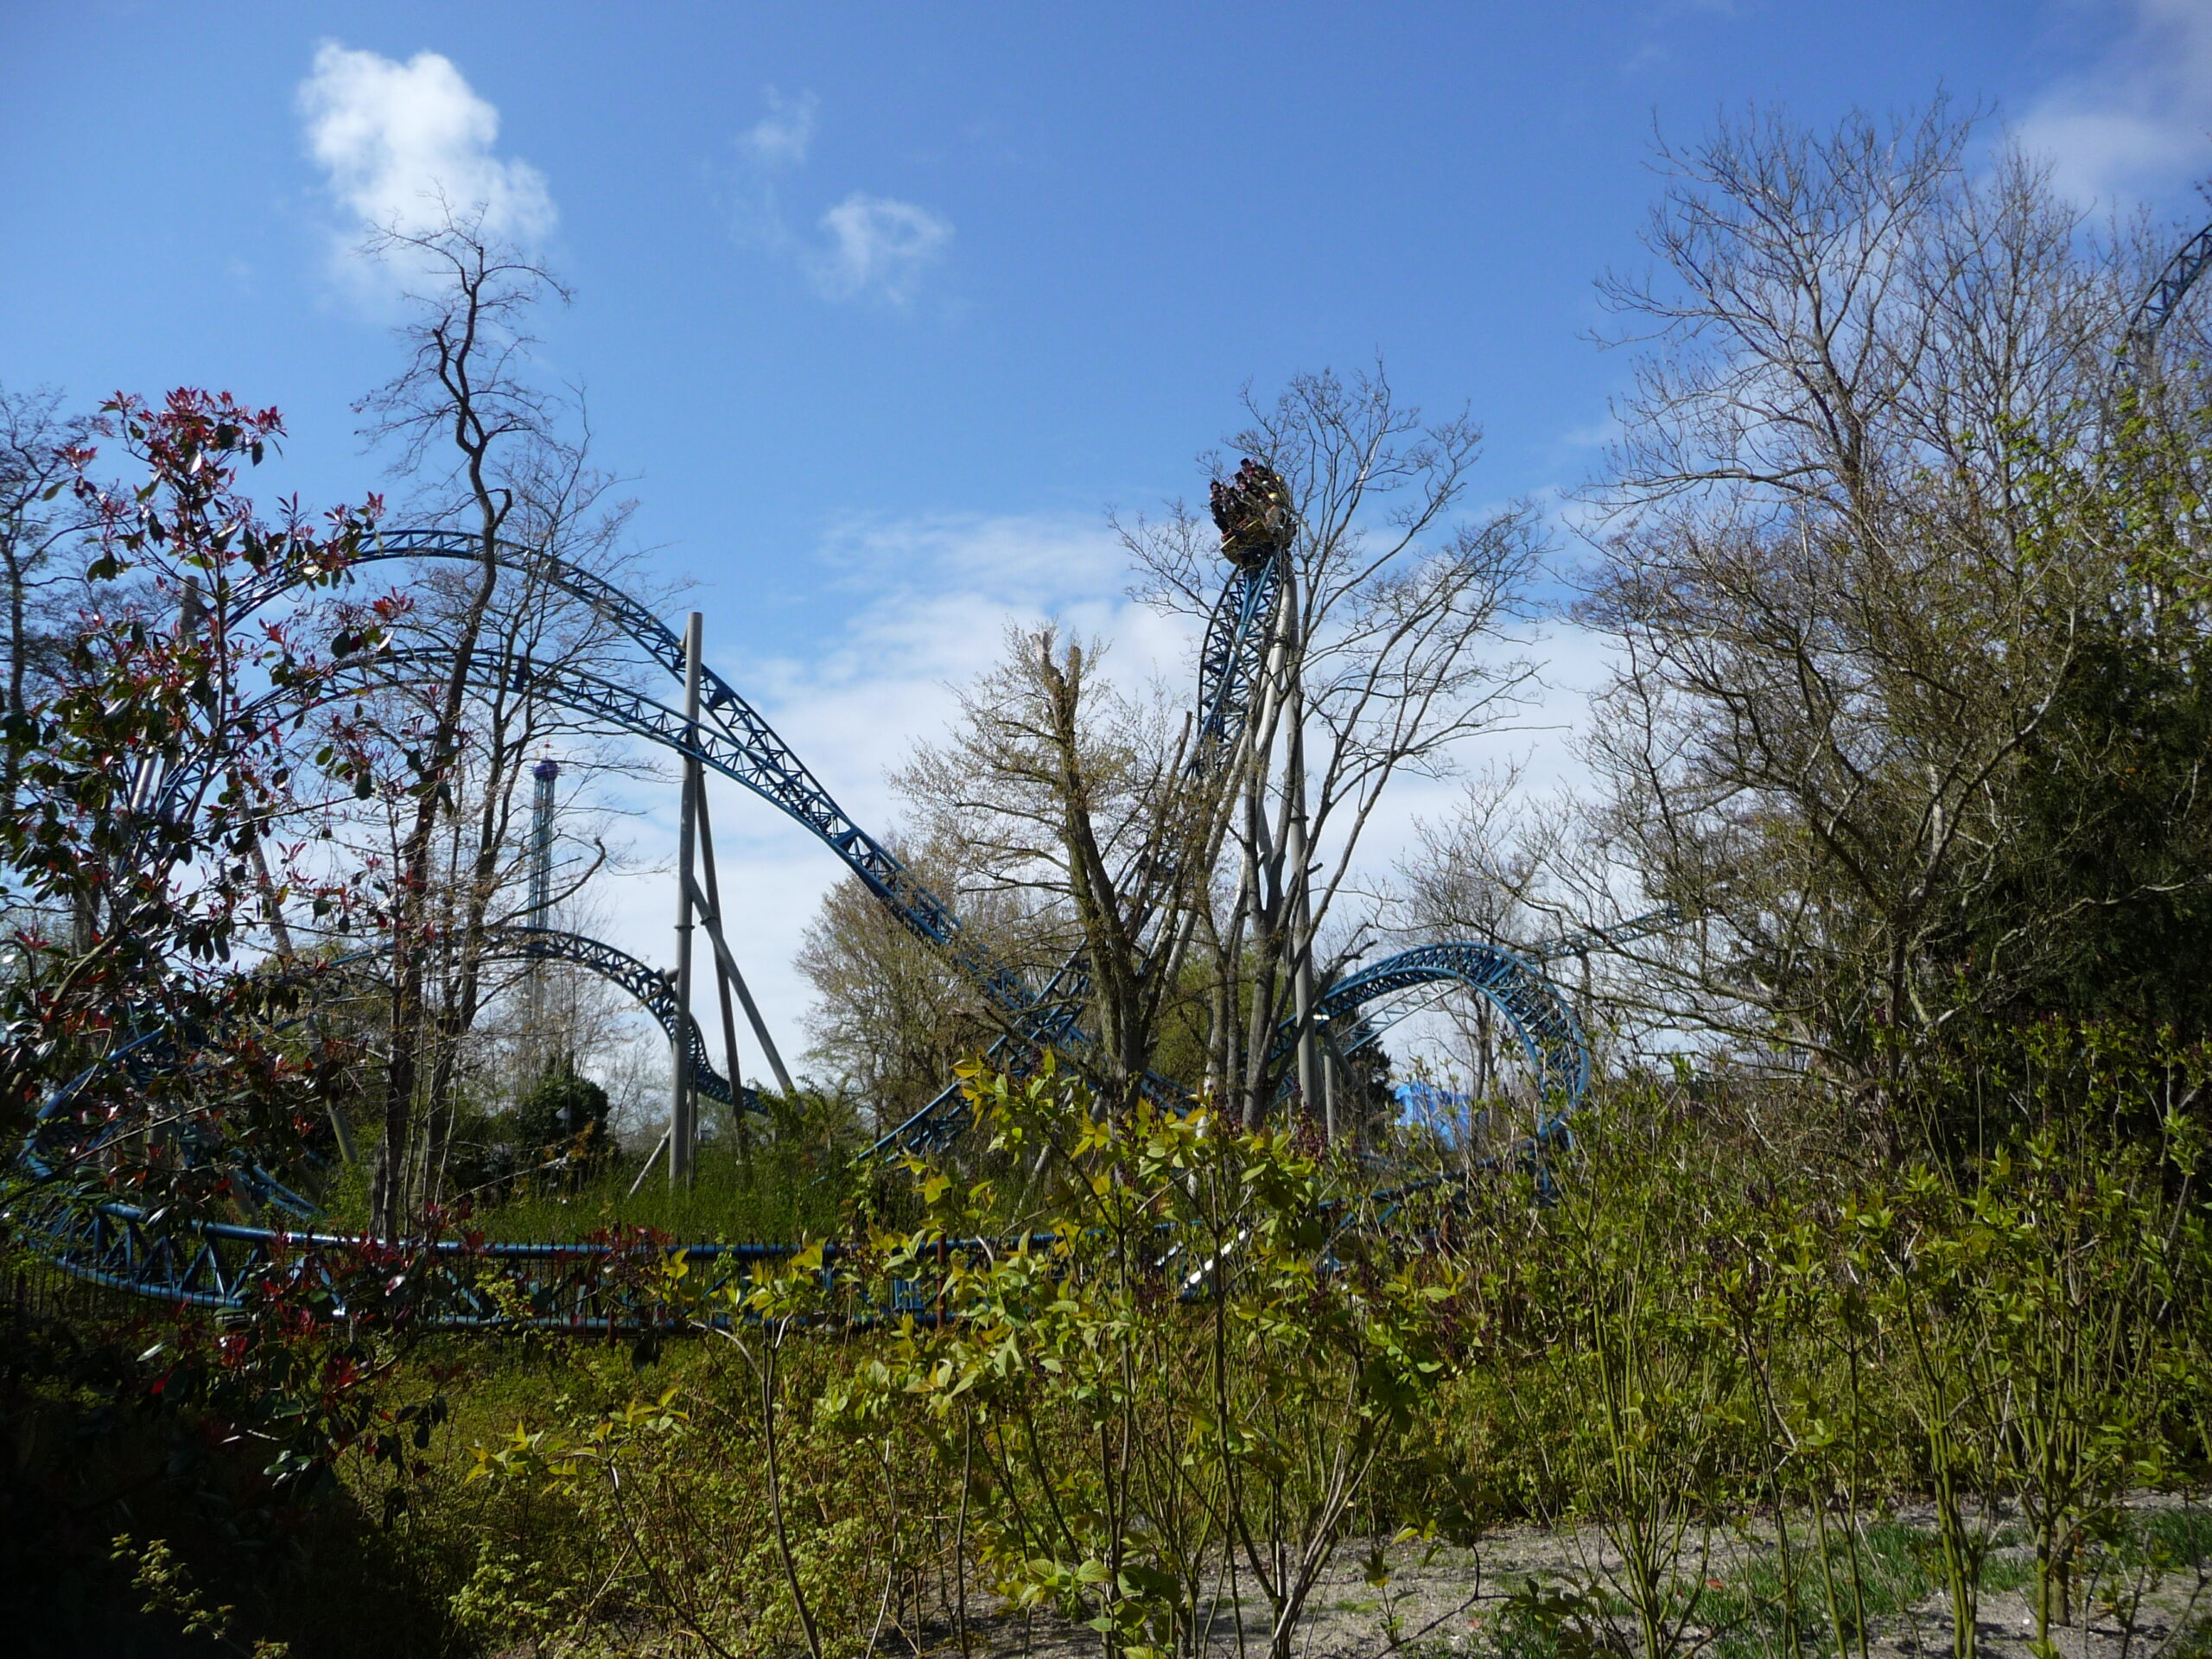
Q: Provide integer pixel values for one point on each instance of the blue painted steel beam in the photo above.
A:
(2167, 290)
(1539, 1017)
(766, 764)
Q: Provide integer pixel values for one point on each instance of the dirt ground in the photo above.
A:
(1448, 1602)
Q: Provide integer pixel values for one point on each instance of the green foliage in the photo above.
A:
(1176, 1378)
(1207, 1308)
(168, 1585)
(1769, 1395)
(561, 1110)
(118, 1417)
(157, 904)
(2115, 839)
(786, 1179)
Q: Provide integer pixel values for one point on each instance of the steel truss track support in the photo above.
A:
(209, 1264)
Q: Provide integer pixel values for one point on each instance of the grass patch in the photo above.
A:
(2182, 1537)
(773, 1189)
(763, 1194)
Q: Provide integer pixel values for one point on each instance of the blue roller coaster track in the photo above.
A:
(500, 942)
(571, 1287)
(2163, 296)
(1231, 659)
(1534, 1012)
(648, 987)
(734, 739)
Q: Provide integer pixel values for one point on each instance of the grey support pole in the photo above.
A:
(728, 963)
(545, 774)
(711, 914)
(684, 1117)
(1314, 1097)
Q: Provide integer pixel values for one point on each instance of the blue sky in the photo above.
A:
(883, 306)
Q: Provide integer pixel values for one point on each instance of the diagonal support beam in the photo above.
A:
(713, 922)
(713, 909)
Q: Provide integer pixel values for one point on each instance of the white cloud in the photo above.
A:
(868, 246)
(878, 245)
(2140, 121)
(783, 137)
(401, 143)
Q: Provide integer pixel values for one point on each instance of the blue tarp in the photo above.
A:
(1429, 1103)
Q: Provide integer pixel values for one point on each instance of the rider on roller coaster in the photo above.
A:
(1253, 513)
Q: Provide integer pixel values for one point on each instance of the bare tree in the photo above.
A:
(464, 397)
(1389, 652)
(1849, 570)
(1071, 796)
(893, 1015)
(1486, 871)
(562, 508)
(38, 516)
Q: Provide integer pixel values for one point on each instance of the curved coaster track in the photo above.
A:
(647, 985)
(591, 1287)
(2165, 296)
(1536, 1015)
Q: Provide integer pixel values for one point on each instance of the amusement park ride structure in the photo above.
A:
(715, 730)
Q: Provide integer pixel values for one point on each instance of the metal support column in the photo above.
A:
(710, 909)
(545, 774)
(683, 1117)
(710, 914)
(1315, 1098)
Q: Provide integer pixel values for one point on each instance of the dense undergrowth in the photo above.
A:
(783, 1174)
(1227, 1378)
(747, 1194)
